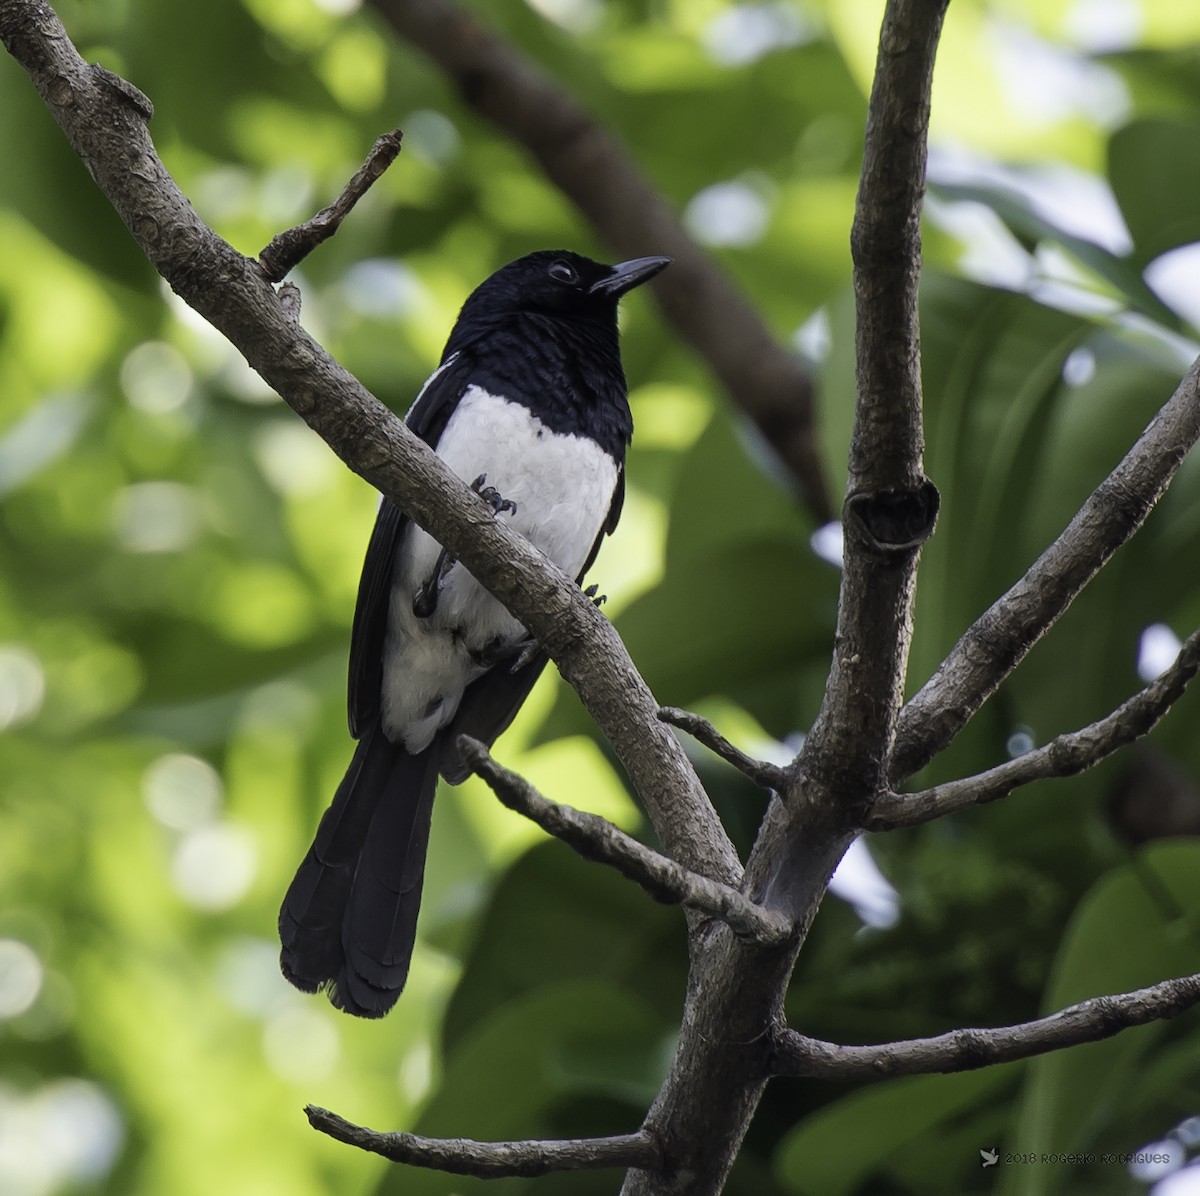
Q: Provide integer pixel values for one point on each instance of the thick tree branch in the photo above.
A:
(999, 639)
(289, 248)
(107, 129)
(761, 772)
(598, 174)
(720, 1067)
(493, 1160)
(1063, 756)
(595, 838)
(963, 1050)
(890, 506)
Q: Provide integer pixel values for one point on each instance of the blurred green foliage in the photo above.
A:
(179, 557)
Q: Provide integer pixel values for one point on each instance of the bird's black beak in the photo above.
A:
(627, 275)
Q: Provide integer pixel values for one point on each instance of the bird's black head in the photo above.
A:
(556, 282)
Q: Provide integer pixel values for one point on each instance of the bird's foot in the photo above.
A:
(493, 497)
(526, 651)
(593, 592)
(425, 600)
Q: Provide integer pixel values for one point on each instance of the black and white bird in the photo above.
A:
(529, 406)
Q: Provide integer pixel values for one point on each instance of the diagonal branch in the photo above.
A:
(595, 838)
(1000, 638)
(599, 175)
(964, 1050)
(761, 772)
(289, 248)
(106, 127)
(493, 1160)
(1063, 756)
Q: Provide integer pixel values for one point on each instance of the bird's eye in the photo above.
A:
(562, 272)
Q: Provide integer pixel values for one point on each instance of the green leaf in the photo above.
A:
(848, 1144)
(556, 918)
(1135, 927)
(1154, 169)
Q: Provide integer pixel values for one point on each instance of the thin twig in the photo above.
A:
(596, 838)
(761, 772)
(1063, 756)
(599, 174)
(493, 1160)
(289, 248)
(964, 1050)
(1000, 638)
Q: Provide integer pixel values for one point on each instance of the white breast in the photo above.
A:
(562, 487)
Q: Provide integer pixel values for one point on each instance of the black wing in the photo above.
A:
(428, 419)
(610, 524)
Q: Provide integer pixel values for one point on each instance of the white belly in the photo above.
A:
(562, 487)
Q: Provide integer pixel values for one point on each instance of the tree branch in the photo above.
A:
(735, 989)
(964, 1050)
(107, 129)
(891, 506)
(289, 248)
(599, 176)
(761, 772)
(595, 838)
(1000, 638)
(1063, 756)
(493, 1160)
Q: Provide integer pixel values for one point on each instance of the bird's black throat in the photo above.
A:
(566, 371)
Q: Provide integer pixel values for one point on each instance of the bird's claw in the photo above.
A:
(493, 497)
(526, 652)
(593, 593)
(425, 600)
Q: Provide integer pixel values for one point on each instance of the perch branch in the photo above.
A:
(964, 1050)
(289, 248)
(600, 177)
(1000, 638)
(761, 772)
(1063, 756)
(595, 838)
(493, 1160)
(107, 129)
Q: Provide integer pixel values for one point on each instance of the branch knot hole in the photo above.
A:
(893, 522)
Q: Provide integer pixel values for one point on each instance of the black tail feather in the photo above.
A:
(348, 922)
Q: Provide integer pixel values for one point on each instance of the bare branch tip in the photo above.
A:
(494, 1160)
(761, 772)
(290, 247)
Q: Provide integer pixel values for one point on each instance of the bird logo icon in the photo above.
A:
(990, 1157)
